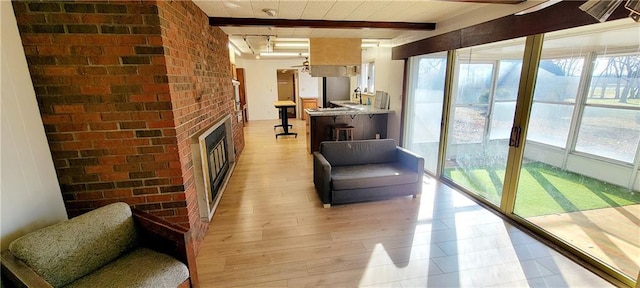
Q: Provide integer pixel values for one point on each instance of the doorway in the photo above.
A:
(288, 88)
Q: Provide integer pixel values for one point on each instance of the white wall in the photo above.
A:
(262, 85)
(389, 75)
(262, 88)
(621, 175)
(29, 191)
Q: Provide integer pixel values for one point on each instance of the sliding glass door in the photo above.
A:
(579, 176)
(547, 132)
(482, 108)
(424, 107)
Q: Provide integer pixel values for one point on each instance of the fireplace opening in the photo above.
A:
(217, 159)
(213, 162)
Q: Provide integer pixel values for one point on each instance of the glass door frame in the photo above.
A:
(528, 76)
(451, 86)
(446, 112)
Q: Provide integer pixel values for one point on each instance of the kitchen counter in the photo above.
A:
(368, 122)
(346, 108)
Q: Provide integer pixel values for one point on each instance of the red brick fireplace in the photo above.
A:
(122, 86)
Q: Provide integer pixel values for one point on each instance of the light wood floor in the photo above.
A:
(270, 230)
(610, 234)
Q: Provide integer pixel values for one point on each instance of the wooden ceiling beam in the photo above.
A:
(327, 24)
(489, 1)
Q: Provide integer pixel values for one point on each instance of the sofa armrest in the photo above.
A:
(412, 161)
(166, 237)
(19, 274)
(322, 177)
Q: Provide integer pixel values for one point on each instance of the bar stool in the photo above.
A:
(347, 129)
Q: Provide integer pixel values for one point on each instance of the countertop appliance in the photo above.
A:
(335, 89)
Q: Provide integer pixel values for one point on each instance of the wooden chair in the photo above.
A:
(152, 233)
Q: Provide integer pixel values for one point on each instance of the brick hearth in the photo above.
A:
(121, 87)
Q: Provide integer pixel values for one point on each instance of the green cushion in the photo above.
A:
(140, 268)
(74, 248)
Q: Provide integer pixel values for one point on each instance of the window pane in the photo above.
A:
(425, 107)
(486, 86)
(371, 77)
(615, 81)
(508, 80)
(611, 133)
(474, 83)
(502, 119)
(471, 163)
(468, 124)
(550, 123)
(430, 83)
(558, 79)
(362, 78)
(506, 89)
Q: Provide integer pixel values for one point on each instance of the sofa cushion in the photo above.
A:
(66, 251)
(359, 152)
(141, 268)
(371, 175)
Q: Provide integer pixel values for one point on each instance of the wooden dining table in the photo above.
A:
(283, 105)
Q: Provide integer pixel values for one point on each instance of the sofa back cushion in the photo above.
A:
(66, 251)
(359, 152)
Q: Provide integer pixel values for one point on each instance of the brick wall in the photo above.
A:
(198, 68)
(121, 86)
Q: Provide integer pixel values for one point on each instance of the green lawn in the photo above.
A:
(544, 189)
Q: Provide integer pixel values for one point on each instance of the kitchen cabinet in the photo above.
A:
(308, 103)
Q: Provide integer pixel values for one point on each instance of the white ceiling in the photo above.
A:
(448, 16)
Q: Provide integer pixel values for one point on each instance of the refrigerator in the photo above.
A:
(334, 89)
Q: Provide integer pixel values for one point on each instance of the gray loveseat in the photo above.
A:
(365, 170)
(112, 246)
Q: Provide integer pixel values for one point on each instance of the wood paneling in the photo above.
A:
(563, 15)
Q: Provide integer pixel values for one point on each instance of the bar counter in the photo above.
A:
(346, 108)
(369, 122)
